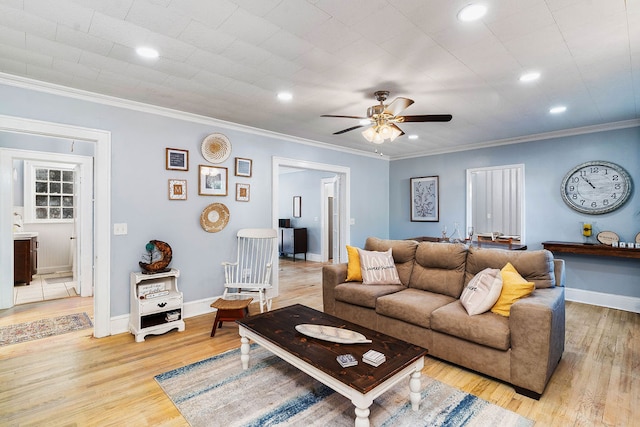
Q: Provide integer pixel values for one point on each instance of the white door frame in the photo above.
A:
(344, 195)
(324, 218)
(101, 212)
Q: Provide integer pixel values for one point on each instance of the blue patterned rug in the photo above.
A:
(218, 392)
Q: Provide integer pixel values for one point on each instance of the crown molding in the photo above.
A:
(530, 138)
(55, 89)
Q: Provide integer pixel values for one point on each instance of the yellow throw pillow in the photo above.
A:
(514, 287)
(354, 271)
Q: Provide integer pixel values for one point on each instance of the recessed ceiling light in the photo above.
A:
(413, 136)
(147, 52)
(472, 12)
(529, 77)
(285, 96)
(557, 110)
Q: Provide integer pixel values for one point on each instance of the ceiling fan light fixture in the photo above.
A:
(472, 12)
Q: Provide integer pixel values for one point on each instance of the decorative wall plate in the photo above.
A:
(607, 237)
(216, 148)
(214, 218)
(329, 333)
(638, 238)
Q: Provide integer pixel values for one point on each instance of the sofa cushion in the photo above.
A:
(514, 287)
(534, 266)
(412, 306)
(363, 295)
(378, 268)
(439, 268)
(354, 273)
(482, 292)
(403, 252)
(488, 328)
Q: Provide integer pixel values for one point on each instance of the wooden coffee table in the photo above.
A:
(275, 331)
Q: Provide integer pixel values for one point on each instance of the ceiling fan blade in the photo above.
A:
(428, 118)
(344, 117)
(398, 105)
(347, 130)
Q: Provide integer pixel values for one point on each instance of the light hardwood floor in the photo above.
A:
(77, 380)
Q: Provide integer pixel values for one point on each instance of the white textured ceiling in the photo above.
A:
(227, 59)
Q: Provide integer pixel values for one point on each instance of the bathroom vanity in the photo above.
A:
(25, 256)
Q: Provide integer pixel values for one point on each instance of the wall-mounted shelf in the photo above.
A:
(591, 249)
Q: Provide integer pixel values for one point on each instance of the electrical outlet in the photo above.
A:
(246, 273)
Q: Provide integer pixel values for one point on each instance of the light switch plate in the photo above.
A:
(120, 229)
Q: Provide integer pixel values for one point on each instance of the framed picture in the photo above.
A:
(177, 159)
(297, 206)
(243, 166)
(425, 199)
(212, 181)
(242, 192)
(177, 189)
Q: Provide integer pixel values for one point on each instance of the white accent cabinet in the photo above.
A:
(156, 304)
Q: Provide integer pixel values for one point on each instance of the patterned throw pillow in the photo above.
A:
(482, 292)
(378, 268)
(354, 272)
(514, 287)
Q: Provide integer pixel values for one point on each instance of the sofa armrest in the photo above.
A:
(537, 325)
(332, 276)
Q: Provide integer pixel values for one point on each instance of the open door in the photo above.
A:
(82, 235)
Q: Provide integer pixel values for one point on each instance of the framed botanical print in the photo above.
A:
(177, 189)
(177, 159)
(425, 200)
(243, 167)
(213, 181)
(242, 192)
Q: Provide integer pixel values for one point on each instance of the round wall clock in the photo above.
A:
(596, 187)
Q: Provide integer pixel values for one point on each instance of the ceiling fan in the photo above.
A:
(383, 118)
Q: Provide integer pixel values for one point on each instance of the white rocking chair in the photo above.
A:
(250, 275)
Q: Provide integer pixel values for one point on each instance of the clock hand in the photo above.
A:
(588, 182)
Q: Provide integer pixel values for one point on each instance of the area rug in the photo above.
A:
(42, 328)
(218, 392)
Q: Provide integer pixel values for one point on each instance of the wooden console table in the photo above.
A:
(591, 249)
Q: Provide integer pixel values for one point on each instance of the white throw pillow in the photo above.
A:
(482, 292)
(378, 268)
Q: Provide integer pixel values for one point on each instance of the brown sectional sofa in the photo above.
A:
(523, 349)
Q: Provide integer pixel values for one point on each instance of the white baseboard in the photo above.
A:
(120, 324)
(619, 302)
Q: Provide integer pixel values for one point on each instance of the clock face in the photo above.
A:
(596, 187)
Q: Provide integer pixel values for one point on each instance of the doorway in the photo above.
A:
(342, 204)
(60, 213)
(100, 219)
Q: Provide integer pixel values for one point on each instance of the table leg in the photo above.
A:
(414, 387)
(215, 323)
(244, 352)
(362, 417)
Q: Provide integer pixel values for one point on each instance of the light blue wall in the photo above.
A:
(547, 217)
(139, 187)
(306, 184)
